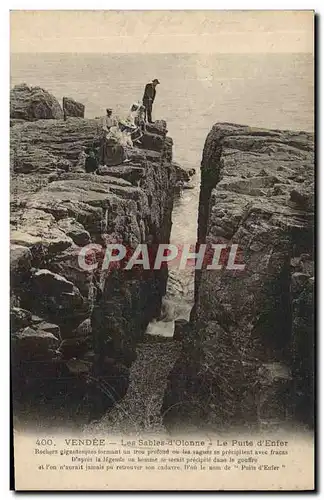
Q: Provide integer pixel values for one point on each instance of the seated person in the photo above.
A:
(108, 120)
(134, 123)
(113, 149)
(140, 118)
(140, 122)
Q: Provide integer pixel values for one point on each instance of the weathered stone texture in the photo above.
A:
(33, 103)
(52, 220)
(257, 192)
(73, 108)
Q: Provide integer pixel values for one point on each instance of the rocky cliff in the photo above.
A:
(59, 310)
(33, 103)
(248, 352)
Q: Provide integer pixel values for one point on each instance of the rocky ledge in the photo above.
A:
(58, 309)
(248, 351)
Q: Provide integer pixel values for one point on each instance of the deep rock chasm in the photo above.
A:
(246, 355)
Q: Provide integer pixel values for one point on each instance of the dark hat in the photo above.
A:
(156, 80)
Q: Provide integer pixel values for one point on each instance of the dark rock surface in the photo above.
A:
(257, 192)
(34, 343)
(44, 145)
(33, 103)
(132, 174)
(73, 108)
(97, 316)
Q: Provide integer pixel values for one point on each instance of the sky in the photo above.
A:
(161, 31)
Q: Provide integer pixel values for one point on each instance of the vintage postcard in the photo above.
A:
(162, 250)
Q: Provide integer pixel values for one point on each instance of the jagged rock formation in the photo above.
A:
(33, 103)
(60, 310)
(248, 354)
(73, 108)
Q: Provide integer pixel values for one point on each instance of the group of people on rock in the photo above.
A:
(118, 135)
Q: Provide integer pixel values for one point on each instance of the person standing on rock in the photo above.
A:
(148, 98)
